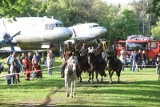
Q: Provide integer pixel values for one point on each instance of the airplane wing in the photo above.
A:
(83, 37)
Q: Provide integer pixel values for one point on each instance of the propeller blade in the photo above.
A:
(18, 33)
(8, 40)
(74, 33)
(2, 43)
(12, 48)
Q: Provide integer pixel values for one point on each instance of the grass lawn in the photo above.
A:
(136, 89)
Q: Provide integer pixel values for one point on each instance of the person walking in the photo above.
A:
(144, 59)
(134, 61)
(50, 62)
(139, 59)
(157, 65)
(123, 57)
(9, 61)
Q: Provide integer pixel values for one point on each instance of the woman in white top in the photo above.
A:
(50, 62)
(123, 57)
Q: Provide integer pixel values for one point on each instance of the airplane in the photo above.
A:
(32, 32)
(86, 32)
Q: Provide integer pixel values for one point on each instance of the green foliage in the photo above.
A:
(128, 23)
(155, 8)
(12, 8)
(156, 31)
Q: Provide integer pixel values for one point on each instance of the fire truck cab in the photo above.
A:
(138, 42)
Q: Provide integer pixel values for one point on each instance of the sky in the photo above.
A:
(119, 1)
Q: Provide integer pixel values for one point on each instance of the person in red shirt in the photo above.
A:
(27, 66)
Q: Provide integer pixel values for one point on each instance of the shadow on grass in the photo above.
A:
(149, 91)
(36, 84)
(90, 106)
(73, 105)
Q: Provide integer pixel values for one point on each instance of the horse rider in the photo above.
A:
(69, 51)
(83, 53)
(98, 53)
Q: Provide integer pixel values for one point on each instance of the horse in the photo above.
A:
(114, 64)
(70, 75)
(81, 66)
(95, 65)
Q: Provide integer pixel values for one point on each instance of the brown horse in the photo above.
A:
(97, 66)
(82, 66)
(113, 64)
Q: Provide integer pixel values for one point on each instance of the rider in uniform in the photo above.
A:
(98, 52)
(69, 51)
(83, 52)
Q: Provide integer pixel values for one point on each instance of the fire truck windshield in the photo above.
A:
(136, 46)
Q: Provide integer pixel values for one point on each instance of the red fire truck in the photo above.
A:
(138, 42)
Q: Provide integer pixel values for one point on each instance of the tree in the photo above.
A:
(155, 8)
(128, 23)
(12, 8)
(156, 31)
(145, 19)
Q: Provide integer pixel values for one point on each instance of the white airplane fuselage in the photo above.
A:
(86, 32)
(36, 31)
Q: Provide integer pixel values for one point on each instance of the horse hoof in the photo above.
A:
(71, 96)
(67, 95)
(101, 80)
(105, 75)
(97, 80)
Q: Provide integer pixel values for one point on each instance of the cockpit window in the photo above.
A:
(93, 26)
(52, 26)
(59, 25)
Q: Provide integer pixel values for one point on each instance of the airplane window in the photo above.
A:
(49, 26)
(52, 26)
(95, 25)
(46, 27)
(90, 27)
(59, 25)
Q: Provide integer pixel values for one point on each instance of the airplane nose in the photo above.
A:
(103, 30)
(68, 33)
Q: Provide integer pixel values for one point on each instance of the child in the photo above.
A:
(10, 78)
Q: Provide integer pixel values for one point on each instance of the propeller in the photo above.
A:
(7, 39)
(75, 35)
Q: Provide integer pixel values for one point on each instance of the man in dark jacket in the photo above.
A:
(83, 53)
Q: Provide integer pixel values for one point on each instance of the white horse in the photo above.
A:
(70, 75)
